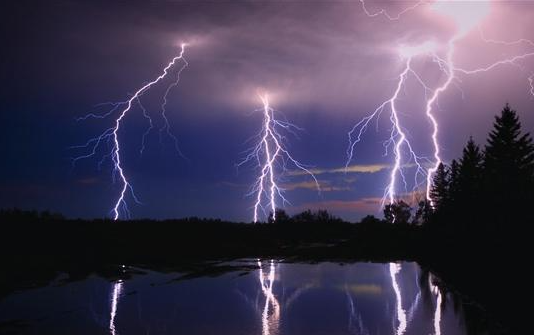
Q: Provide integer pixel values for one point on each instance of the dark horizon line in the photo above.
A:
(58, 216)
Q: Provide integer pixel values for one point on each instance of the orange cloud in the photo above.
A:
(310, 185)
(372, 168)
(365, 289)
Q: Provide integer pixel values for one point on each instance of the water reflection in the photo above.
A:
(413, 309)
(355, 319)
(275, 299)
(437, 313)
(115, 296)
(274, 307)
(271, 311)
(394, 269)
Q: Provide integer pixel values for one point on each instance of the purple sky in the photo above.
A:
(326, 64)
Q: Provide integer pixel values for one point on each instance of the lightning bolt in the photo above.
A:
(270, 153)
(429, 113)
(111, 135)
(514, 60)
(398, 136)
(386, 14)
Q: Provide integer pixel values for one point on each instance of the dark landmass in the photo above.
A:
(34, 252)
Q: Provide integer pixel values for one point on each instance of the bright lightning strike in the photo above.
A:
(271, 156)
(466, 16)
(428, 111)
(111, 135)
(398, 137)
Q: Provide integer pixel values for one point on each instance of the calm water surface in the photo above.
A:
(276, 298)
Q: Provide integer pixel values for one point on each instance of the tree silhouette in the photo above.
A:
(470, 168)
(281, 216)
(303, 217)
(468, 186)
(423, 213)
(483, 192)
(440, 187)
(398, 212)
(508, 169)
(453, 180)
(370, 221)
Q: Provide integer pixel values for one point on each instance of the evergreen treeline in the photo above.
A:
(489, 190)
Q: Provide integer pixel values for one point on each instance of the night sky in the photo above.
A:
(325, 64)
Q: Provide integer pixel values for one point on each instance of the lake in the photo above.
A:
(269, 298)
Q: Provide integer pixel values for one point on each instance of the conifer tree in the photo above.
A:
(453, 181)
(440, 187)
(470, 172)
(509, 168)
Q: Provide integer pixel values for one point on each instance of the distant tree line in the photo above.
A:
(19, 215)
(307, 217)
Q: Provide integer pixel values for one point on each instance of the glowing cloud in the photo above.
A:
(465, 14)
(372, 168)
